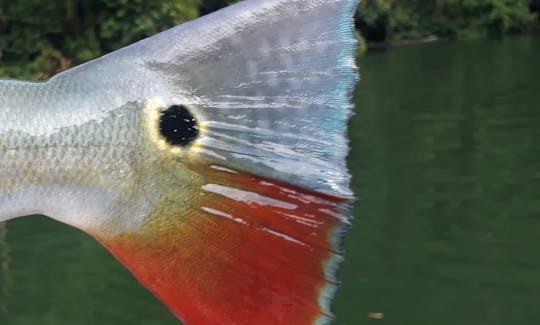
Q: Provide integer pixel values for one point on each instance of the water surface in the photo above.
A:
(446, 165)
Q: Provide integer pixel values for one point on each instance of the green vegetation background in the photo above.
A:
(40, 38)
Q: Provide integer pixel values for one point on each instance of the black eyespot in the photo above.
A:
(178, 126)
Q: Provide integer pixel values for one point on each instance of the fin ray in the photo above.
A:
(247, 67)
(252, 232)
(233, 258)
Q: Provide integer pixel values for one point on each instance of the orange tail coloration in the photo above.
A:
(210, 159)
(249, 251)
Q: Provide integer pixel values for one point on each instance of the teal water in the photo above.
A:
(446, 166)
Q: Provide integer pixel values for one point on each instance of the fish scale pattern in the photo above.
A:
(271, 80)
(244, 225)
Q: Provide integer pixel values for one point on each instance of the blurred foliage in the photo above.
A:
(40, 38)
(382, 20)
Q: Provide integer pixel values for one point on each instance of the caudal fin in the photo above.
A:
(251, 232)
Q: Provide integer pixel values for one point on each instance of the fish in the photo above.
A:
(209, 159)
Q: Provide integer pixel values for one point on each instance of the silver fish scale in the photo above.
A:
(270, 82)
(73, 170)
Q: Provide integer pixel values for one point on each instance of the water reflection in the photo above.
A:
(446, 164)
(5, 280)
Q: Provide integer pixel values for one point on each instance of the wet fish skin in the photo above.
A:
(249, 214)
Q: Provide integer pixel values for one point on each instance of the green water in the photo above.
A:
(446, 165)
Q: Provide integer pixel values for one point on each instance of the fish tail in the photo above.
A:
(257, 239)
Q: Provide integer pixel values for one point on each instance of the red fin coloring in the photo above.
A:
(248, 251)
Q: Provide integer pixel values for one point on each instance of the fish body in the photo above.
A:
(209, 159)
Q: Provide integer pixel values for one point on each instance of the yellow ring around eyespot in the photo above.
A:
(152, 109)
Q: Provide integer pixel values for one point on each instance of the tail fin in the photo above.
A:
(271, 78)
(259, 240)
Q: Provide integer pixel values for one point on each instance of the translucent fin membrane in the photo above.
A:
(252, 235)
(249, 250)
(272, 80)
